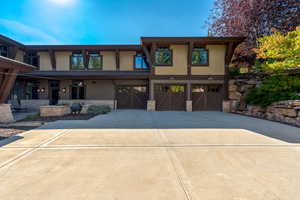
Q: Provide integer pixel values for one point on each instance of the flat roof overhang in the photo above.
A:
(84, 47)
(89, 75)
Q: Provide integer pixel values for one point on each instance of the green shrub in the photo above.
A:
(32, 116)
(234, 71)
(93, 109)
(273, 89)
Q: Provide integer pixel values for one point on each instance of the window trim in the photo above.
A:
(101, 61)
(73, 85)
(134, 62)
(163, 65)
(200, 65)
(70, 60)
(37, 56)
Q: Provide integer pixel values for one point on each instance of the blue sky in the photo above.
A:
(101, 21)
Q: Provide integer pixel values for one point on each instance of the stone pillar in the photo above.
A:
(5, 113)
(227, 106)
(189, 106)
(151, 105)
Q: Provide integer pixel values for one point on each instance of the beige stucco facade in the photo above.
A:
(45, 62)
(180, 61)
(126, 60)
(63, 60)
(109, 60)
(216, 62)
(20, 56)
(99, 89)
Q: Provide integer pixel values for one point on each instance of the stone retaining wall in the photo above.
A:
(53, 111)
(284, 111)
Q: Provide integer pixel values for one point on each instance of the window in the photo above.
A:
(76, 61)
(163, 56)
(78, 90)
(32, 90)
(32, 58)
(95, 61)
(199, 56)
(139, 62)
(3, 51)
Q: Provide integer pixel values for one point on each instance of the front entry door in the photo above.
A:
(54, 92)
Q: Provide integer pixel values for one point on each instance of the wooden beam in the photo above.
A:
(12, 52)
(52, 58)
(191, 46)
(85, 58)
(229, 53)
(8, 83)
(148, 55)
(153, 49)
(117, 59)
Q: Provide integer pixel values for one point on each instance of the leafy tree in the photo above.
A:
(279, 52)
(253, 19)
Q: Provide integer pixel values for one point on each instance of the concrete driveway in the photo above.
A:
(160, 155)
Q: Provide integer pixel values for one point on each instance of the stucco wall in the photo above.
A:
(63, 60)
(126, 60)
(109, 60)
(65, 84)
(216, 62)
(45, 62)
(99, 90)
(20, 56)
(179, 67)
(44, 84)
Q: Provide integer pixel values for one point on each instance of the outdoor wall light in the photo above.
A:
(64, 90)
(42, 90)
(38, 90)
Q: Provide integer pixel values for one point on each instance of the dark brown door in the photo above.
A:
(132, 97)
(207, 97)
(170, 97)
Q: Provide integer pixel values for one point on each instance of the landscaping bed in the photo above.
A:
(66, 117)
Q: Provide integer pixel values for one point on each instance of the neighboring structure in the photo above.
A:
(163, 73)
(8, 73)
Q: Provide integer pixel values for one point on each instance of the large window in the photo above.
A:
(163, 56)
(139, 62)
(199, 56)
(3, 51)
(95, 61)
(76, 61)
(78, 90)
(32, 58)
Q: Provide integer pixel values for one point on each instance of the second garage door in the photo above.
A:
(207, 97)
(131, 97)
(170, 97)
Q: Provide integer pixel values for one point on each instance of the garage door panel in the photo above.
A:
(132, 97)
(207, 97)
(170, 97)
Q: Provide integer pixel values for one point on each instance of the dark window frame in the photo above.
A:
(29, 58)
(2, 47)
(78, 90)
(101, 61)
(73, 67)
(144, 58)
(163, 65)
(198, 64)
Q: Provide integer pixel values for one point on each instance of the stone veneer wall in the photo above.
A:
(285, 111)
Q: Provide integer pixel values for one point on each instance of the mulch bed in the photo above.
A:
(67, 117)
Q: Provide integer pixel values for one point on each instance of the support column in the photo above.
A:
(151, 104)
(6, 114)
(189, 102)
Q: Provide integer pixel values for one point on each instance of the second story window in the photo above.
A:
(32, 58)
(163, 56)
(95, 61)
(76, 61)
(199, 56)
(139, 62)
(3, 51)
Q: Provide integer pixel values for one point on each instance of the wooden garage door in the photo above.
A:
(132, 97)
(170, 97)
(207, 97)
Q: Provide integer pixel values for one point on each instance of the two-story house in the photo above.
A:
(161, 73)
